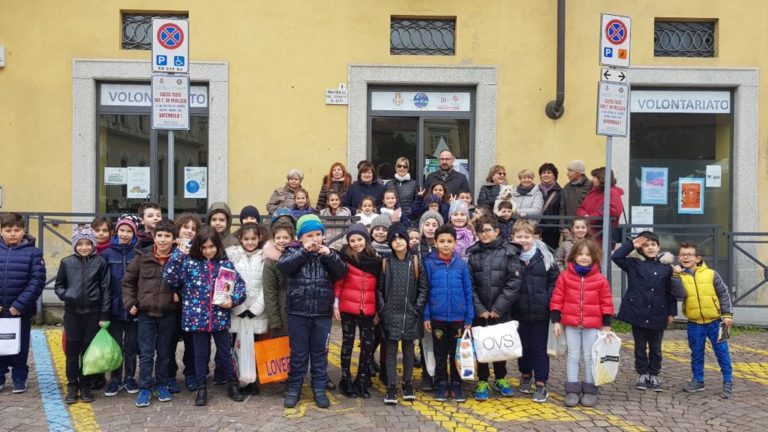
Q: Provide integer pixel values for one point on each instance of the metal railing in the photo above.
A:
(748, 271)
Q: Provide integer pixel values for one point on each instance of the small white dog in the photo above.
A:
(505, 194)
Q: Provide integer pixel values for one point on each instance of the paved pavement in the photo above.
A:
(621, 407)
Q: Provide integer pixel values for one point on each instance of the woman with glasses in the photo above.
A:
(404, 186)
(497, 176)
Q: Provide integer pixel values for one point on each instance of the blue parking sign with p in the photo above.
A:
(607, 52)
(162, 60)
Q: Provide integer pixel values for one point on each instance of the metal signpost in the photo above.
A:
(170, 93)
(613, 97)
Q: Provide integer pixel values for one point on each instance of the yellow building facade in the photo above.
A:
(261, 69)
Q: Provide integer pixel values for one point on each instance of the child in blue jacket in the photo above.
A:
(22, 277)
(449, 311)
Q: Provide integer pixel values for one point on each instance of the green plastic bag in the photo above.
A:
(103, 354)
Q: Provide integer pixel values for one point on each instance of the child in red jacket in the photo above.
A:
(356, 307)
(583, 304)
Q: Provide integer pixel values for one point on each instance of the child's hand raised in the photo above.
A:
(421, 192)
(639, 242)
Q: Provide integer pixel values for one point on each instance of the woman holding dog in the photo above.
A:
(497, 176)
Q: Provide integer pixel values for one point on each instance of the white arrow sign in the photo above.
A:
(613, 75)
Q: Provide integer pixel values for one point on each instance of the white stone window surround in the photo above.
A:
(86, 73)
(483, 78)
(744, 83)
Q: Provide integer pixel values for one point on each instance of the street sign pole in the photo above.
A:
(171, 175)
(607, 207)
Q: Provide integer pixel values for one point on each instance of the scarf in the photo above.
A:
(367, 263)
(546, 255)
(524, 190)
(444, 175)
(545, 188)
(583, 271)
(527, 255)
(403, 178)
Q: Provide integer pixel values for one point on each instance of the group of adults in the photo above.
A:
(546, 201)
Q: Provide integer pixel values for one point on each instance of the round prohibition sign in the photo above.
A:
(616, 32)
(170, 36)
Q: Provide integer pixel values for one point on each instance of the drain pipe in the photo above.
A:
(555, 109)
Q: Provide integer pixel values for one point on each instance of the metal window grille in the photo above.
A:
(422, 36)
(684, 39)
(137, 30)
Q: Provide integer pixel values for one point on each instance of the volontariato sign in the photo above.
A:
(140, 95)
(681, 101)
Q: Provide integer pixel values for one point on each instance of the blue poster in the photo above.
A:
(654, 185)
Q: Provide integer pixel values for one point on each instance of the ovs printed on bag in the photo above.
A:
(503, 341)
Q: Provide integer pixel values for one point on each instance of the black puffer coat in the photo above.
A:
(401, 297)
(488, 194)
(82, 283)
(406, 191)
(309, 278)
(494, 269)
(538, 284)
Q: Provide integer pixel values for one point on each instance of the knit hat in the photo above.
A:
(432, 199)
(83, 232)
(650, 235)
(358, 229)
(458, 206)
(430, 215)
(127, 221)
(284, 214)
(382, 220)
(309, 223)
(250, 211)
(578, 166)
(397, 230)
(133, 218)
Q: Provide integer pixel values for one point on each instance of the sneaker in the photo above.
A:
(642, 382)
(191, 382)
(113, 388)
(727, 390)
(482, 391)
(541, 394)
(526, 385)
(502, 386)
(19, 386)
(654, 383)
(173, 386)
(131, 386)
(426, 383)
(409, 393)
(457, 392)
(86, 395)
(144, 399)
(162, 394)
(694, 386)
(441, 395)
(391, 397)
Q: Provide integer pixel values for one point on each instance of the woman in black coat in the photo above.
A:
(367, 184)
(404, 185)
(497, 176)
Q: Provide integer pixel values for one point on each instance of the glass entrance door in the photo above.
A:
(446, 134)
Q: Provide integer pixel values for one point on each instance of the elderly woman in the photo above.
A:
(552, 194)
(284, 195)
(337, 180)
(404, 185)
(366, 185)
(497, 176)
(527, 196)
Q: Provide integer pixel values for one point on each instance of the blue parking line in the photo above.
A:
(55, 410)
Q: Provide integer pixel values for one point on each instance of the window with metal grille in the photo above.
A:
(137, 29)
(684, 39)
(422, 36)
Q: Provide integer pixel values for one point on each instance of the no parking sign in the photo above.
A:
(615, 40)
(170, 45)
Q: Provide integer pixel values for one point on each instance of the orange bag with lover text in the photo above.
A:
(273, 359)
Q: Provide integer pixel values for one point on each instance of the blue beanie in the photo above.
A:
(308, 223)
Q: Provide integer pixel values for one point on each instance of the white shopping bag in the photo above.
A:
(605, 358)
(465, 356)
(244, 354)
(556, 346)
(498, 342)
(10, 336)
(429, 353)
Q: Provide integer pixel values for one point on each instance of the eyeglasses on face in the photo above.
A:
(402, 166)
(686, 255)
(487, 230)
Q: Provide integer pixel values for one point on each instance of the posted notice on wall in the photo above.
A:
(195, 182)
(170, 102)
(690, 196)
(137, 181)
(654, 182)
(114, 176)
(714, 176)
(642, 215)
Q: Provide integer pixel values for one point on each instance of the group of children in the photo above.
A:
(152, 282)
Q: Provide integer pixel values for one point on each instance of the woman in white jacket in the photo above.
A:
(249, 318)
(527, 197)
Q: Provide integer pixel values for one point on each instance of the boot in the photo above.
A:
(85, 394)
(589, 398)
(234, 392)
(71, 394)
(572, 393)
(345, 385)
(291, 398)
(361, 387)
(321, 399)
(426, 381)
(201, 398)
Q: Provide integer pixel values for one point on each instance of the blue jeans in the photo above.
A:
(18, 362)
(579, 342)
(202, 346)
(535, 361)
(308, 338)
(697, 341)
(154, 337)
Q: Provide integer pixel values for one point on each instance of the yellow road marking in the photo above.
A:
(82, 414)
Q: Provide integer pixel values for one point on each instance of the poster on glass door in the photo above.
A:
(195, 182)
